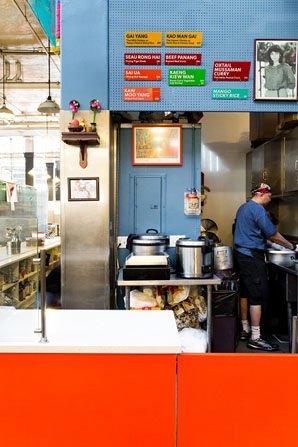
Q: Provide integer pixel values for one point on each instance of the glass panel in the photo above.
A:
(20, 242)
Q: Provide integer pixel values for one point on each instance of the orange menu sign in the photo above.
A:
(184, 39)
(141, 94)
(142, 75)
(143, 39)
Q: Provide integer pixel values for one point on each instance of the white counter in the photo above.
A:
(90, 331)
(26, 251)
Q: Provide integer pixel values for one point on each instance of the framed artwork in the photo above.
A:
(275, 76)
(83, 188)
(156, 145)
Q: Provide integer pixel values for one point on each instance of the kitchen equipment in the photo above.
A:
(208, 225)
(223, 258)
(150, 243)
(194, 258)
(281, 257)
(146, 267)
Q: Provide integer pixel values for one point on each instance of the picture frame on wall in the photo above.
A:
(275, 73)
(83, 188)
(157, 145)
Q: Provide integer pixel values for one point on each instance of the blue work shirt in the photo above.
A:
(252, 228)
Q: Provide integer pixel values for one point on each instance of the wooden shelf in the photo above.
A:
(82, 139)
(28, 301)
(76, 138)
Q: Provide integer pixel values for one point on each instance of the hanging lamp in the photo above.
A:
(5, 113)
(49, 106)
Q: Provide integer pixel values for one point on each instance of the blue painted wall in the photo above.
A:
(84, 52)
(229, 28)
(92, 47)
(177, 179)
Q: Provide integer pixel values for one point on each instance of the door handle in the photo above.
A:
(154, 207)
(296, 165)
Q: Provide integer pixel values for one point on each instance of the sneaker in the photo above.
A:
(262, 345)
(244, 335)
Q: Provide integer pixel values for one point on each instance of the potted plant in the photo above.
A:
(95, 106)
(74, 125)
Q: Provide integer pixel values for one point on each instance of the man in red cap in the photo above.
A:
(253, 228)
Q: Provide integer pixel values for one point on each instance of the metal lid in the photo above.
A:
(187, 242)
(153, 235)
(148, 242)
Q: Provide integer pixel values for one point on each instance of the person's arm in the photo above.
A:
(289, 75)
(279, 239)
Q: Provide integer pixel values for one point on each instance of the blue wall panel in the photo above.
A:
(84, 52)
(229, 28)
(178, 178)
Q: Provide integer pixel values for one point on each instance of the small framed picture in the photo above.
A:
(275, 76)
(156, 145)
(83, 188)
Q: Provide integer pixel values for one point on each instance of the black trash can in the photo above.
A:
(225, 311)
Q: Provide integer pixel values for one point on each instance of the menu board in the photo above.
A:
(184, 39)
(141, 94)
(142, 58)
(230, 93)
(143, 39)
(183, 59)
(187, 77)
(142, 75)
(231, 71)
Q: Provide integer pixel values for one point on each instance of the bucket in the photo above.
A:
(223, 258)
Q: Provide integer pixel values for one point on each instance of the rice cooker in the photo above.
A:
(194, 258)
(150, 243)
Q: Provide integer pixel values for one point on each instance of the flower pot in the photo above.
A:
(93, 127)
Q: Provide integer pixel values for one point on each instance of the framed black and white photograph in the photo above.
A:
(83, 188)
(275, 76)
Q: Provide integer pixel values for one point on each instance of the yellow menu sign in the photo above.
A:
(143, 39)
(184, 39)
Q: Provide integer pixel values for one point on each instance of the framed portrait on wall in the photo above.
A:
(275, 74)
(83, 188)
(156, 145)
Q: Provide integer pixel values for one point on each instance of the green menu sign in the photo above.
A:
(188, 77)
(229, 93)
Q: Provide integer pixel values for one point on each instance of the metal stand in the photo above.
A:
(42, 262)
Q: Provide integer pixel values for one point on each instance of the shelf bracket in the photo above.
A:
(83, 155)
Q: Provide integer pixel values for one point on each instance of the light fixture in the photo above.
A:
(49, 106)
(5, 113)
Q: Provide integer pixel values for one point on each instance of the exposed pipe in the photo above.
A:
(34, 32)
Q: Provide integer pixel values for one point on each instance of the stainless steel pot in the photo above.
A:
(150, 243)
(194, 258)
(281, 257)
(223, 258)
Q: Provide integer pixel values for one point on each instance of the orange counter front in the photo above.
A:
(132, 399)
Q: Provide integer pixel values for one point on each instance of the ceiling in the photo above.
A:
(24, 46)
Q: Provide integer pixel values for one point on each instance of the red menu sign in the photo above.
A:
(142, 75)
(231, 71)
(182, 59)
(142, 58)
(141, 94)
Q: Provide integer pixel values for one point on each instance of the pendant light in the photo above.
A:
(49, 106)
(5, 113)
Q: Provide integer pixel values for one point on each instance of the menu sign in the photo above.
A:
(184, 39)
(229, 93)
(231, 71)
(142, 75)
(187, 77)
(141, 94)
(182, 59)
(142, 58)
(143, 39)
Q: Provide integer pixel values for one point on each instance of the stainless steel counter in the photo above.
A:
(174, 281)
